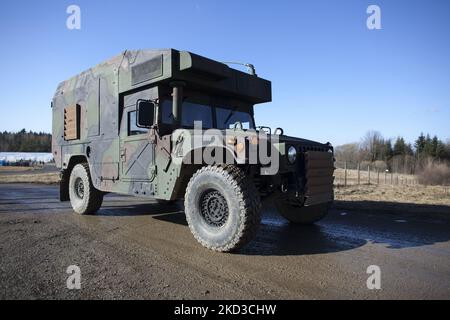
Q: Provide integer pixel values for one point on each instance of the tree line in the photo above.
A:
(396, 155)
(24, 141)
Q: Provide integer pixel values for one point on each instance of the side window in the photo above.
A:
(196, 112)
(133, 129)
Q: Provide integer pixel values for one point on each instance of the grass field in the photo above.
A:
(400, 188)
(15, 169)
(375, 177)
(46, 178)
(418, 194)
(48, 174)
(407, 191)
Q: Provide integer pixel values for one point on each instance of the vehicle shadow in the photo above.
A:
(351, 224)
(298, 240)
(277, 236)
(139, 209)
(426, 211)
(363, 222)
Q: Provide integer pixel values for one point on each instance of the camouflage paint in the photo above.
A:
(147, 165)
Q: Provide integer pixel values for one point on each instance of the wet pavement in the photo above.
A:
(136, 249)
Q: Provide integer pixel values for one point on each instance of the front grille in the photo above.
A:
(319, 168)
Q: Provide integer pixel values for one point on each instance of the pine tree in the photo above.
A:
(23, 141)
(400, 147)
(419, 144)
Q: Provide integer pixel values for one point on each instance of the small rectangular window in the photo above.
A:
(133, 129)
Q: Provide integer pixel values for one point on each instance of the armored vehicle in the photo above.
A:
(167, 125)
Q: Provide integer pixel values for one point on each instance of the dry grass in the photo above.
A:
(400, 188)
(416, 194)
(435, 174)
(15, 169)
(381, 177)
(46, 178)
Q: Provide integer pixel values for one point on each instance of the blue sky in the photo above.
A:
(332, 78)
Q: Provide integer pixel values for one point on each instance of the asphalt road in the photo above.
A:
(133, 249)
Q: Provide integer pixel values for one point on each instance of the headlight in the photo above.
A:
(292, 154)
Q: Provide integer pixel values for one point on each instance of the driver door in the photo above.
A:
(137, 151)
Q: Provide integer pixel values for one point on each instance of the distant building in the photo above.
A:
(24, 158)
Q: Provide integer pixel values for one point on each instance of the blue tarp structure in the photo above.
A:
(14, 157)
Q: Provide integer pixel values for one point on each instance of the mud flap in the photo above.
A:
(64, 186)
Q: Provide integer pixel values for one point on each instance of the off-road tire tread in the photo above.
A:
(249, 204)
(95, 196)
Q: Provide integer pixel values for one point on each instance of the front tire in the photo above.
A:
(222, 206)
(302, 215)
(84, 198)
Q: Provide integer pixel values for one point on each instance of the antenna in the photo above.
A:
(250, 68)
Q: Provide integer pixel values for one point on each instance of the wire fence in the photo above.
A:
(366, 174)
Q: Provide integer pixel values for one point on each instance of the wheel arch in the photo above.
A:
(188, 169)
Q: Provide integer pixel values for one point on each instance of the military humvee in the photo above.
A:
(129, 126)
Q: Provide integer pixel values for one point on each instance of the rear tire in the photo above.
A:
(222, 207)
(84, 198)
(302, 215)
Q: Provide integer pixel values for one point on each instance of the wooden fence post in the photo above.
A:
(359, 177)
(368, 174)
(378, 176)
(345, 174)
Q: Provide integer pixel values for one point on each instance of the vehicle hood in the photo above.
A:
(303, 142)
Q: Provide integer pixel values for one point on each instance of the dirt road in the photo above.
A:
(136, 250)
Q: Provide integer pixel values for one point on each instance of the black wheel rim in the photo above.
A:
(79, 188)
(214, 208)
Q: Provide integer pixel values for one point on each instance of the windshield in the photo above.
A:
(226, 118)
(218, 117)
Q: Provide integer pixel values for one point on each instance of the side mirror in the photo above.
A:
(145, 113)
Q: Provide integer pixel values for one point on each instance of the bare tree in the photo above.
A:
(347, 153)
(372, 145)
